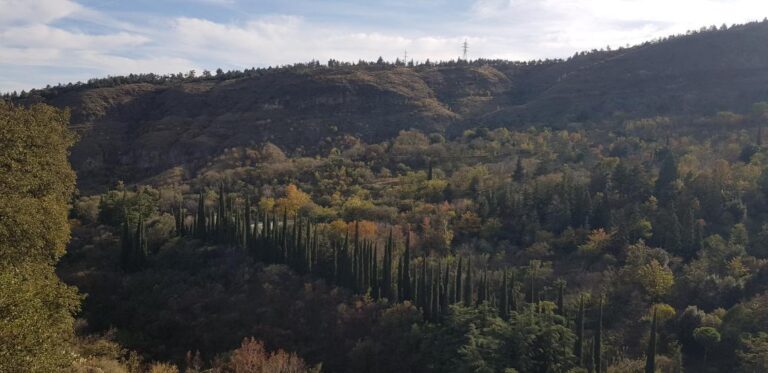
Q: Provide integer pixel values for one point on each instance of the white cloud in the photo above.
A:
(561, 25)
(30, 34)
(36, 36)
(35, 11)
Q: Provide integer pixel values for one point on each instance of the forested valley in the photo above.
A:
(623, 243)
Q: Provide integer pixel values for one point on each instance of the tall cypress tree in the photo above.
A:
(200, 223)
(519, 175)
(400, 280)
(407, 292)
(374, 276)
(458, 290)
(444, 290)
(386, 286)
(421, 294)
(579, 348)
(650, 357)
(504, 302)
(126, 245)
(598, 347)
(468, 284)
(482, 295)
(247, 235)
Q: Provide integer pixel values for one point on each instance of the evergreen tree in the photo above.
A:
(406, 279)
(468, 284)
(444, 290)
(579, 347)
(200, 221)
(126, 245)
(504, 302)
(519, 174)
(650, 357)
(664, 188)
(421, 293)
(598, 345)
(458, 289)
(560, 296)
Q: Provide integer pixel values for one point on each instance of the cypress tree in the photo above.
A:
(335, 263)
(457, 292)
(504, 304)
(468, 284)
(435, 291)
(386, 286)
(400, 280)
(512, 297)
(421, 294)
(598, 347)
(374, 274)
(407, 290)
(650, 357)
(519, 175)
(444, 290)
(481, 293)
(560, 296)
(221, 215)
(139, 246)
(200, 222)
(126, 245)
(579, 348)
(284, 238)
(664, 189)
(247, 223)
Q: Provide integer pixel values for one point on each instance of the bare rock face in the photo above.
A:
(132, 132)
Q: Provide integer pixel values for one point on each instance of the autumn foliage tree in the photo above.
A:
(252, 357)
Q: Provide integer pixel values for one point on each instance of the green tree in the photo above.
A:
(708, 337)
(36, 183)
(650, 355)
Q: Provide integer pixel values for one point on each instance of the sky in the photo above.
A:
(58, 41)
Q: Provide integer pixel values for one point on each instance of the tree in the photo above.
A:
(294, 199)
(598, 345)
(650, 355)
(252, 357)
(655, 279)
(36, 184)
(579, 346)
(519, 174)
(708, 337)
(665, 188)
(596, 244)
(467, 299)
(753, 353)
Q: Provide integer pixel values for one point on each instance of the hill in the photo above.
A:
(134, 130)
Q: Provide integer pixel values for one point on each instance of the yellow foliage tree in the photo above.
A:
(294, 199)
(655, 279)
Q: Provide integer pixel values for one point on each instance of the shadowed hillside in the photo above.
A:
(137, 130)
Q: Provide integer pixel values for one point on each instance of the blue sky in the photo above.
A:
(51, 41)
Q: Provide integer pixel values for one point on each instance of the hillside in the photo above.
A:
(134, 131)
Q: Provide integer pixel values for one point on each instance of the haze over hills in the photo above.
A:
(137, 130)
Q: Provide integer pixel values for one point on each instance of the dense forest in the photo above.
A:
(612, 242)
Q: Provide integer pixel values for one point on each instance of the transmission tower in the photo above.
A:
(464, 48)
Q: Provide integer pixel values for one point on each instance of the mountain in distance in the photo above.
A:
(132, 131)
